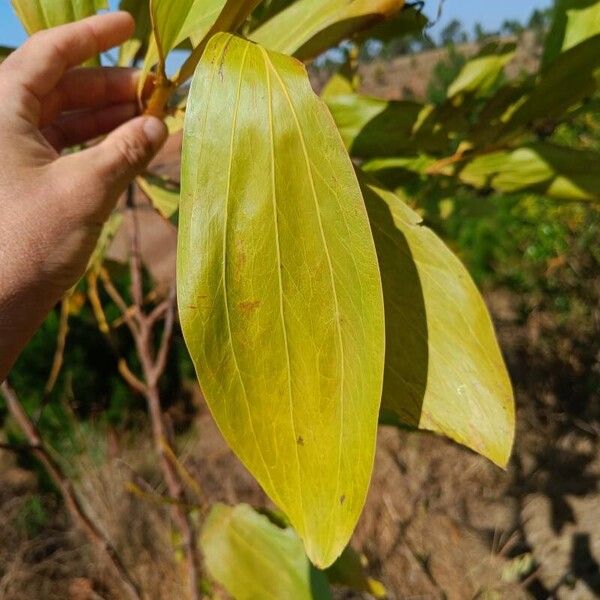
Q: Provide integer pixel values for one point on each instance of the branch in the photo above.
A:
(72, 502)
(165, 343)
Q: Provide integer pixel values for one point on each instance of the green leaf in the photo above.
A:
(309, 27)
(349, 571)
(197, 20)
(574, 21)
(573, 76)
(233, 15)
(162, 192)
(547, 169)
(44, 14)
(408, 21)
(254, 559)
(36, 15)
(480, 74)
(444, 371)
(134, 47)
(279, 291)
(372, 127)
(176, 22)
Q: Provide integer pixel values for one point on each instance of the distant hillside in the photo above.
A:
(407, 77)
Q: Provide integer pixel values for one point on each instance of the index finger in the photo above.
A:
(42, 61)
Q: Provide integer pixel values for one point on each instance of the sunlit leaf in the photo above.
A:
(231, 18)
(279, 291)
(134, 47)
(554, 171)
(44, 14)
(480, 74)
(175, 22)
(574, 21)
(308, 27)
(162, 192)
(444, 371)
(36, 15)
(253, 559)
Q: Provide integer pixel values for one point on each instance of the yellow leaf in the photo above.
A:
(278, 285)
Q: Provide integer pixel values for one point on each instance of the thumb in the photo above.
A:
(102, 173)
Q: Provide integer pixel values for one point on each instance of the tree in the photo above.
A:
(313, 301)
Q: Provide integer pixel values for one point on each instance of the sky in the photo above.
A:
(490, 13)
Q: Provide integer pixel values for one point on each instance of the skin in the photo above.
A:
(53, 205)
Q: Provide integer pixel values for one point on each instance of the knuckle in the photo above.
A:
(133, 149)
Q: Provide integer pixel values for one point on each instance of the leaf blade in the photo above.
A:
(444, 370)
(308, 27)
(238, 543)
(272, 232)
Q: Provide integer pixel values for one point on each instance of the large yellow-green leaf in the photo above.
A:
(444, 371)
(481, 73)
(253, 559)
(574, 21)
(279, 290)
(43, 14)
(308, 27)
(555, 171)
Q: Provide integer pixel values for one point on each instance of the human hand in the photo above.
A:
(52, 207)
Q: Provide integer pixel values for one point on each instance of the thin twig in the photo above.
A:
(61, 340)
(72, 502)
(165, 344)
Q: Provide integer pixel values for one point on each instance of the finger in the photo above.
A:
(41, 62)
(90, 88)
(79, 127)
(102, 173)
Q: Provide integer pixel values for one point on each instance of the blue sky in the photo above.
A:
(490, 13)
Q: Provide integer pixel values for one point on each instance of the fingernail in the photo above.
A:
(156, 132)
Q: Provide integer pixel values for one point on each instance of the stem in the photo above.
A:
(72, 502)
(159, 99)
(153, 366)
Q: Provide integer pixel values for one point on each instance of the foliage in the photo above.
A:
(293, 268)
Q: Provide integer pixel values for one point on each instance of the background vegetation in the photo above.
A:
(434, 509)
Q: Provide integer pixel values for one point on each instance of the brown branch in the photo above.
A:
(163, 352)
(116, 297)
(153, 366)
(135, 259)
(132, 380)
(72, 502)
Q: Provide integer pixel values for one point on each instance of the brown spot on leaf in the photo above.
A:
(342, 499)
(300, 441)
(249, 305)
